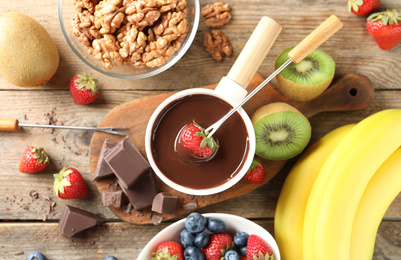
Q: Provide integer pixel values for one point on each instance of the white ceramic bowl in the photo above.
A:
(234, 224)
(245, 165)
(66, 9)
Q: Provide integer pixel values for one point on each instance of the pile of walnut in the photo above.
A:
(216, 42)
(137, 33)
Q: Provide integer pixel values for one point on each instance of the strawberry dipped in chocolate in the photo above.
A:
(193, 144)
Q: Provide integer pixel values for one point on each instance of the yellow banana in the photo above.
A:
(382, 189)
(291, 205)
(336, 193)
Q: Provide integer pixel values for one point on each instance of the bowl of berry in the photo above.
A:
(212, 236)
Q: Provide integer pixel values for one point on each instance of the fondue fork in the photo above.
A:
(12, 125)
(318, 36)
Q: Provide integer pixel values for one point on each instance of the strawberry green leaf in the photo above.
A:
(87, 82)
(204, 142)
(387, 17)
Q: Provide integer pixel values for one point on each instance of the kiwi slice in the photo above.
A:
(281, 131)
(308, 78)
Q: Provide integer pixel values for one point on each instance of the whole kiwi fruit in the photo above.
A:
(281, 131)
(308, 78)
(28, 56)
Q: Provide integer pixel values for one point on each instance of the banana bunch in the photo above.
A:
(325, 207)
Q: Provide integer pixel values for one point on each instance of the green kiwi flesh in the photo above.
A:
(281, 135)
(308, 78)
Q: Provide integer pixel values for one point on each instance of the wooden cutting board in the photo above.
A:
(351, 92)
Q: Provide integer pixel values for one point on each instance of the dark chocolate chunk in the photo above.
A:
(142, 194)
(165, 203)
(127, 163)
(112, 199)
(75, 220)
(157, 219)
(102, 168)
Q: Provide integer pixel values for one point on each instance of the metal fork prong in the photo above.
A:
(113, 132)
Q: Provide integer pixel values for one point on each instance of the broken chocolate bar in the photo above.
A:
(102, 168)
(75, 220)
(142, 194)
(127, 163)
(165, 203)
(112, 199)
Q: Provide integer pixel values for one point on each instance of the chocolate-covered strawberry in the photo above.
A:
(196, 144)
(33, 159)
(83, 89)
(69, 184)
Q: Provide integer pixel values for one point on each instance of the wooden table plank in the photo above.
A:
(70, 147)
(125, 241)
(352, 47)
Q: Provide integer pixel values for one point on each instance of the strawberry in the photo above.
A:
(256, 173)
(170, 250)
(363, 7)
(33, 159)
(69, 184)
(257, 249)
(385, 28)
(217, 246)
(83, 89)
(194, 138)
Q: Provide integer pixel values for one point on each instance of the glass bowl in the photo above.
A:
(66, 9)
(233, 223)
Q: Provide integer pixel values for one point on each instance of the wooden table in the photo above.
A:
(23, 228)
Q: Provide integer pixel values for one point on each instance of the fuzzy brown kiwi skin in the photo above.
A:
(272, 108)
(28, 57)
(300, 92)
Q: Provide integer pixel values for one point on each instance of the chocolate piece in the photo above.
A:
(102, 168)
(127, 163)
(165, 203)
(75, 220)
(142, 194)
(157, 219)
(112, 199)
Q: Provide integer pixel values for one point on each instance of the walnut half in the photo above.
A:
(216, 14)
(217, 44)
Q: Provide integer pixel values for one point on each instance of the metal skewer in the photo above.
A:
(213, 128)
(10, 124)
(323, 32)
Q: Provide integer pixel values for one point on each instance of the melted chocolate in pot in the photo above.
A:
(232, 137)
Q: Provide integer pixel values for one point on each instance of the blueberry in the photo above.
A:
(231, 255)
(240, 239)
(201, 239)
(195, 222)
(110, 258)
(193, 253)
(36, 256)
(186, 238)
(242, 251)
(216, 225)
